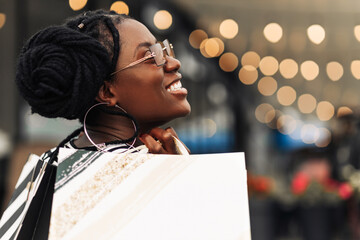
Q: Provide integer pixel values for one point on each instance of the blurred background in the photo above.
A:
(276, 79)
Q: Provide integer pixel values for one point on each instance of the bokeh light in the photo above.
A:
(324, 138)
(2, 20)
(286, 124)
(273, 32)
(77, 5)
(268, 65)
(211, 47)
(306, 103)
(309, 133)
(228, 28)
(357, 32)
(162, 19)
(264, 113)
(248, 74)
(120, 7)
(228, 62)
(316, 33)
(334, 70)
(286, 95)
(355, 69)
(250, 58)
(288, 68)
(325, 110)
(309, 70)
(342, 111)
(267, 86)
(196, 37)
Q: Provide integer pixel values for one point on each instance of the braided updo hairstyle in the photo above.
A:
(61, 68)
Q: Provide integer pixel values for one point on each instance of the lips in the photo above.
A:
(176, 85)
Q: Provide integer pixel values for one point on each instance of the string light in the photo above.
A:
(306, 103)
(2, 20)
(286, 95)
(342, 111)
(228, 28)
(250, 58)
(162, 19)
(273, 32)
(316, 33)
(309, 70)
(77, 5)
(325, 110)
(120, 7)
(196, 37)
(248, 74)
(334, 71)
(267, 86)
(269, 65)
(288, 68)
(228, 62)
(265, 113)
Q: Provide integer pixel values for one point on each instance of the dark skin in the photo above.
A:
(144, 92)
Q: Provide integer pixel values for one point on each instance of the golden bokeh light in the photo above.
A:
(196, 37)
(342, 111)
(212, 47)
(324, 138)
(162, 19)
(229, 28)
(267, 86)
(77, 5)
(268, 65)
(357, 32)
(250, 58)
(265, 113)
(286, 95)
(286, 124)
(228, 62)
(2, 20)
(309, 133)
(309, 70)
(334, 70)
(248, 74)
(273, 32)
(325, 110)
(120, 7)
(306, 103)
(316, 33)
(355, 69)
(288, 68)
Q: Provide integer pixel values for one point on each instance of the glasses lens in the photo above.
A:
(159, 55)
(169, 48)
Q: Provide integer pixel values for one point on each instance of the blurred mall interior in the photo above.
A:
(276, 79)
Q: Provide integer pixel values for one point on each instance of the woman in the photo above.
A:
(108, 71)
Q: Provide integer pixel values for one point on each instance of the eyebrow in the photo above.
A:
(143, 44)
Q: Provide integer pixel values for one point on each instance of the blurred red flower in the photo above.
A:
(299, 183)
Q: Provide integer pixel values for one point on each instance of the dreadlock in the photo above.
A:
(61, 68)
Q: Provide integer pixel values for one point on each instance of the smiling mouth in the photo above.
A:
(174, 86)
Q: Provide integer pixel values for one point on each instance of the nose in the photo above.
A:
(172, 64)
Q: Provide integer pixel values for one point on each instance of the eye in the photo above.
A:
(148, 54)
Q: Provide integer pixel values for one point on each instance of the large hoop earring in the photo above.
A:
(101, 147)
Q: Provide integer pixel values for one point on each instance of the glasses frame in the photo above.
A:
(164, 45)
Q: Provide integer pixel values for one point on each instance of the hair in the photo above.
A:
(61, 68)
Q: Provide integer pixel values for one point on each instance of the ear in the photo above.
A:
(105, 94)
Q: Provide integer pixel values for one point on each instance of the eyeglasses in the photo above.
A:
(158, 51)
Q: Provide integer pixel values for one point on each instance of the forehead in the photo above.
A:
(132, 33)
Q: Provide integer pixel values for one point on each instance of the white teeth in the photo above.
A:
(175, 86)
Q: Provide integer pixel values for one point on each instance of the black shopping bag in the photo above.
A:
(27, 215)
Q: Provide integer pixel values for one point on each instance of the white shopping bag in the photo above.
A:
(145, 196)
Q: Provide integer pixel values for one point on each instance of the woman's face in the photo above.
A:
(149, 93)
